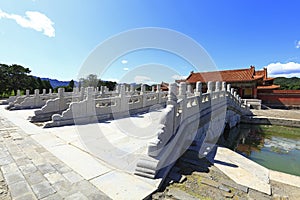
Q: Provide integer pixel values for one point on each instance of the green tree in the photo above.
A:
(288, 83)
(16, 77)
(47, 85)
(109, 84)
(40, 83)
(3, 78)
(90, 81)
(32, 83)
(71, 84)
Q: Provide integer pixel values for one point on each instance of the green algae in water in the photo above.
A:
(275, 147)
(281, 131)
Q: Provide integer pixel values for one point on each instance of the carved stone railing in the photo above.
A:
(12, 98)
(186, 118)
(27, 101)
(93, 109)
(57, 105)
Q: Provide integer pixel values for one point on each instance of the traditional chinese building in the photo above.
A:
(248, 82)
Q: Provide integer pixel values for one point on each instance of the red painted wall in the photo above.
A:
(280, 97)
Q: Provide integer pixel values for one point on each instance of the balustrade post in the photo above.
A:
(123, 99)
(89, 91)
(158, 88)
(210, 87)
(217, 89)
(132, 88)
(74, 91)
(50, 91)
(102, 90)
(159, 94)
(27, 93)
(223, 86)
(90, 108)
(189, 89)
(218, 86)
(232, 91)
(228, 87)
(182, 96)
(198, 91)
(182, 90)
(44, 91)
(18, 93)
(60, 93)
(143, 89)
(172, 98)
(81, 93)
(153, 88)
(122, 90)
(143, 93)
(117, 88)
(36, 92)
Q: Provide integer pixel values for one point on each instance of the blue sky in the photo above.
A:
(54, 38)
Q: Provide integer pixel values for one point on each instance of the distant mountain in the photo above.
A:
(56, 83)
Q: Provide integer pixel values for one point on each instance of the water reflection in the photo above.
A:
(274, 152)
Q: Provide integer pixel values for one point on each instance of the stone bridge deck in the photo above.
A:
(60, 163)
(108, 154)
(110, 169)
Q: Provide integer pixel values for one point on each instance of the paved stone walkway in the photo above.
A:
(278, 113)
(103, 164)
(31, 172)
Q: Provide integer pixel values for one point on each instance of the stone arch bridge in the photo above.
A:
(144, 132)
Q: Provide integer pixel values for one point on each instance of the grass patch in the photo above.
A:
(281, 131)
(274, 130)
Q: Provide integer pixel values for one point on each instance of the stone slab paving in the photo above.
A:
(242, 170)
(278, 113)
(285, 178)
(31, 172)
(55, 163)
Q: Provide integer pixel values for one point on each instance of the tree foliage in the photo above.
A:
(68, 88)
(109, 84)
(16, 77)
(93, 81)
(288, 83)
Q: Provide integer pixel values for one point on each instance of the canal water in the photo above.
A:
(276, 148)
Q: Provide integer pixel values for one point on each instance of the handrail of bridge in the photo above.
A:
(187, 115)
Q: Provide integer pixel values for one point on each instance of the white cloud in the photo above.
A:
(124, 62)
(298, 44)
(178, 77)
(142, 79)
(35, 20)
(290, 69)
(125, 68)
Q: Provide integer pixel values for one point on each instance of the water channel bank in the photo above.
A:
(274, 117)
(194, 178)
(274, 147)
